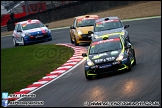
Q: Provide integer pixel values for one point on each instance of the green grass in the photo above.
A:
(23, 65)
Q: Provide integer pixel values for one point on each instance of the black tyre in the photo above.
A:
(23, 41)
(14, 42)
(76, 44)
(129, 65)
(128, 39)
(88, 77)
(134, 63)
(71, 40)
(50, 39)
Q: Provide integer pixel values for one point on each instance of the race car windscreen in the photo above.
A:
(29, 26)
(107, 25)
(85, 22)
(105, 46)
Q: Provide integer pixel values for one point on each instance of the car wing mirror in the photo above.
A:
(126, 26)
(90, 32)
(84, 55)
(19, 31)
(128, 46)
(72, 27)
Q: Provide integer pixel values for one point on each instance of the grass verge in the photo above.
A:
(23, 65)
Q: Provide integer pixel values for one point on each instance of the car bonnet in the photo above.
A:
(85, 30)
(35, 30)
(104, 57)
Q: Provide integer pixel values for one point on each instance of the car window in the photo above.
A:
(16, 26)
(105, 46)
(27, 26)
(107, 25)
(82, 22)
(74, 24)
(19, 27)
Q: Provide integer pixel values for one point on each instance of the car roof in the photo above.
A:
(84, 16)
(105, 37)
(110, 18)
(33, 20)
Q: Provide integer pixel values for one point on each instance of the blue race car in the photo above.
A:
(30, 31)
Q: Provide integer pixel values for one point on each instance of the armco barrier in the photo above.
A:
(3, 28)
(71, 10)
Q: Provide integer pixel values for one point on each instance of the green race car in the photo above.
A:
(108, 53)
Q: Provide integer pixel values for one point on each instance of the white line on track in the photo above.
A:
(55, 78)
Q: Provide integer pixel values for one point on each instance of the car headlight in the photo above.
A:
(49, 31)
(28, 34)
(79, 32)
(120, 57)
(46, 30)
(89, 62)
(123, 32)
(96, 36)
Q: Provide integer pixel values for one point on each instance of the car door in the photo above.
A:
(129, 50)
(72, 31)
(18, 33)
(15, 32)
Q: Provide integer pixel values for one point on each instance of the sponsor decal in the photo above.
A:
(104, 60)
(116, 20)
(16, 35)
(24, 25)
(104, 66)
(43, 31)
(81, 19)
(32, 30)
(36, 21)
(114, 52)
(38, 36)
(103, 41)
(114, 63)
(31, 22)
(99, 55)
(93, 67)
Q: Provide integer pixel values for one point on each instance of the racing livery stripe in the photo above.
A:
(75, 59)
(43, 31)
(103, 41)
(80, 19)
(107, 21)
(16, 35)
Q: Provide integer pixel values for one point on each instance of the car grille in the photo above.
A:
(40, 36)
(107, 62)
(86, 36)
(109, 69)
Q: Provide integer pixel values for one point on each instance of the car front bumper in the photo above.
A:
(107, 67)
(83, 38)
(37, 38)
